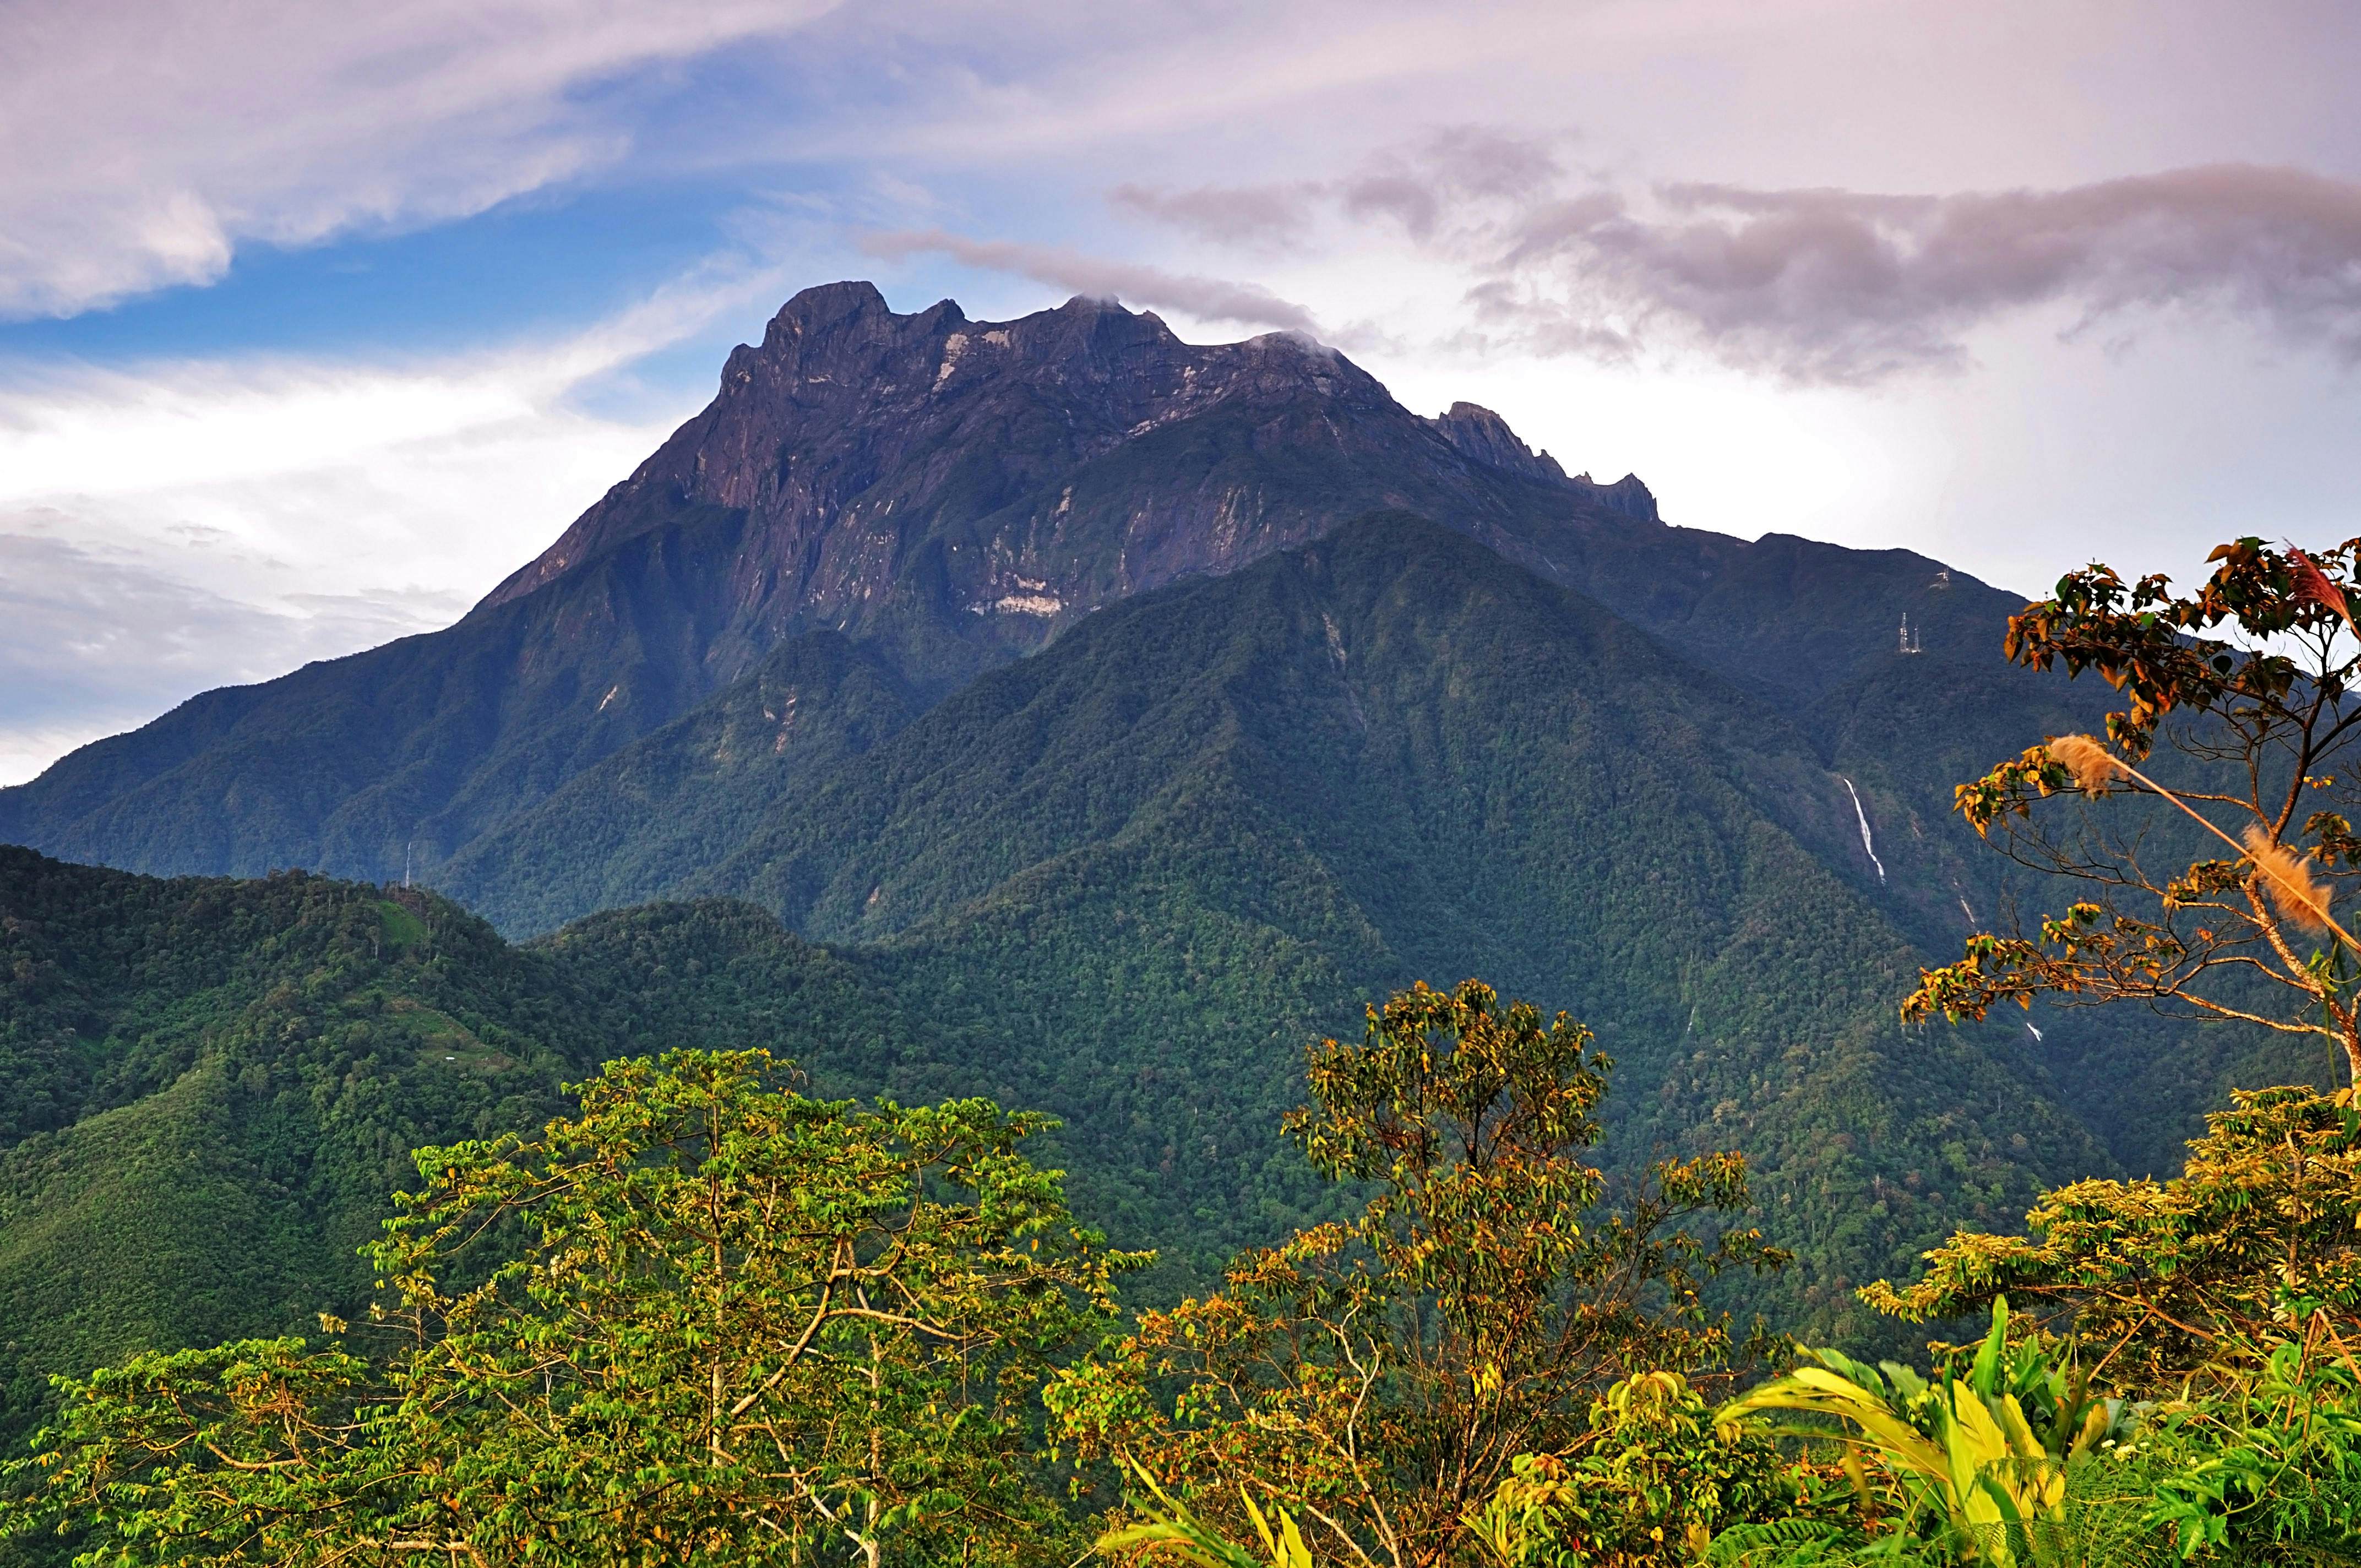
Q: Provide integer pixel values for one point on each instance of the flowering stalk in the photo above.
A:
(2299, 897)
(2311, 582)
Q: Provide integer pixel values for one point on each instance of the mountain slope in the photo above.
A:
(209, 1086)
(1123, 879)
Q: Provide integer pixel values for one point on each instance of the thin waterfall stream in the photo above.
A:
(1867, 842)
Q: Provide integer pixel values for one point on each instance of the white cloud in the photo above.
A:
(1141, 287)
(146, 140)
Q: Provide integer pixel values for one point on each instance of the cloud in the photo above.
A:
(1208, 298)
(1251, 214)
(149, 138)
(1838, 286)
(1823, 286)
(1417, 184)
(98, 638)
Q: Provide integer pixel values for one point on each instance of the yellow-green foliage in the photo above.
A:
(2171, 1279)
(1982, 1455)
(705, 1320)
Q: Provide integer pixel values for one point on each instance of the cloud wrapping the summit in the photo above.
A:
(1146, 287)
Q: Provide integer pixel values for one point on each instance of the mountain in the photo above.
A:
(952, 492)
(1124, 880)
(878, 506)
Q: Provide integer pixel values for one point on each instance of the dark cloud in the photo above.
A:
(1826, 285)
(1211, 299)
(1480, 160)
(1409, 198)
(1245, 214)
(1840, 286)
(1416, 184)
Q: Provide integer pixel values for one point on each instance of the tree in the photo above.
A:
(2246, 681)
(1377, 1379)
(707, 1319)
(2166, 1281)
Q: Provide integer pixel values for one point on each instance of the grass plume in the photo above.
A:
(2289, 881)
(2092, 767)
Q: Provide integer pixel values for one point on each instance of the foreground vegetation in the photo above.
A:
(706, 1315)
(712, 1320)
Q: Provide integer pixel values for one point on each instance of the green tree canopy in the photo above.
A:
(707, 1319)
(1381, 1376)
(2251, 1243)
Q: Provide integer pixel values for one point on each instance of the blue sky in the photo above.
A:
(315, 321)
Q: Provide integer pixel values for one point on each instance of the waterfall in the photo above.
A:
(1867, 843)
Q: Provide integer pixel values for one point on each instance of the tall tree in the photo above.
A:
(2247, 684)
(707, 1319)
(1379, 1377)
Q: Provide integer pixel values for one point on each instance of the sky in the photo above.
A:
(317, 321)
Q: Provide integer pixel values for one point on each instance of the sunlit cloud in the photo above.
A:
(147, 142)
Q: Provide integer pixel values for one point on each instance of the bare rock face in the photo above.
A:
(1033, 470)
(1478, 432)
(1484, 436)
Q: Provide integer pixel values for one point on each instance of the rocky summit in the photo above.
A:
(1034, 468)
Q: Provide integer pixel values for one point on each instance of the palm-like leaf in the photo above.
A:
(1963, 1448)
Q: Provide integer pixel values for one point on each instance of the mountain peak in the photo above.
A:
(832, 304)
(957, 490)
(1484, 436)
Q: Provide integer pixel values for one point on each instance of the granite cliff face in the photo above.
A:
(1025, 472)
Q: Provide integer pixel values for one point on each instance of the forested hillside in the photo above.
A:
(1124, 881)
(210, 1086)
